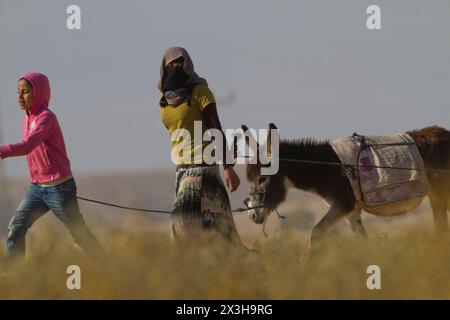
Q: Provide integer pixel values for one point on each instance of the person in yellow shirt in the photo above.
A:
(201, 206)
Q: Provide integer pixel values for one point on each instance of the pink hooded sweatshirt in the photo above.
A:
(42, 139)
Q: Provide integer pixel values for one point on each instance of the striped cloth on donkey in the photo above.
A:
(381, 186)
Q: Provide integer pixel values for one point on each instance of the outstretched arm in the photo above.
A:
(43, 129)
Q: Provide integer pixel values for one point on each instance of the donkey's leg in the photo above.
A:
(356, 223)
(332, 216)
(439, 207)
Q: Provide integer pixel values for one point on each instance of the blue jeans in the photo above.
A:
(60, 199)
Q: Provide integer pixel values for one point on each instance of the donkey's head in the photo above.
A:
(266, 191)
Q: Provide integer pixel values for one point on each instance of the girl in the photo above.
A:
(201, 203)
(52, 185)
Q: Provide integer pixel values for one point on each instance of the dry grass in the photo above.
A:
(142, 264)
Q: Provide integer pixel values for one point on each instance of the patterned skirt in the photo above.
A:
(202, 208)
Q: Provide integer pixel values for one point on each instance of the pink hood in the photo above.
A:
(41, 90)
(42, 139)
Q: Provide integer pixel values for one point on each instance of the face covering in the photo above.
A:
(175, 79)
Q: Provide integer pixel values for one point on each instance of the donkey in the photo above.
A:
(330, 183)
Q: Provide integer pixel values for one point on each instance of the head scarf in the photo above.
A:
(41, 90)
(177, 96)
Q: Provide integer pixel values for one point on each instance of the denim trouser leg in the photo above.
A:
(30, 209)
(62, 201)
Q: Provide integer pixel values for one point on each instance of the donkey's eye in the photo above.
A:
(262, 180)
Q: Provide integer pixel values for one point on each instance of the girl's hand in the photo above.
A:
(231, 179)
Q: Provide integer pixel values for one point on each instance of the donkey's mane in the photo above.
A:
(307, 149)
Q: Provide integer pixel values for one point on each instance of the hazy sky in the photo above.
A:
(312, 67)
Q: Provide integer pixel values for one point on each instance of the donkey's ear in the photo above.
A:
(269, 138)
(245, 129)
(250, 139)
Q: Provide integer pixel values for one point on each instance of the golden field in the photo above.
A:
(141, 261)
